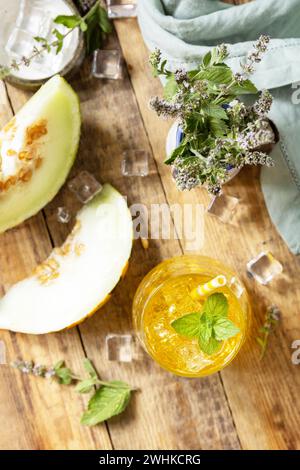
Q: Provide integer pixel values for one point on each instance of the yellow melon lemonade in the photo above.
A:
(190, 330)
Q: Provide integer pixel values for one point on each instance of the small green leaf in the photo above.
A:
(216, 74)
(90, 368)
(58, 34)
(83, 26)
(214, 111)
(205, 330)
(224, 329)
(216, 305)
(218, 127)
(103, 19)
(244, 89)
(44, 42)
(211, 346)
(40, 39)
(59, 364)
(178, 151)
(59, 46)
(207, 59)
(106, 403)
(64, 375)
(170, 88)
(60, 40)
(188, 325)
(86, 386)
(69, 21)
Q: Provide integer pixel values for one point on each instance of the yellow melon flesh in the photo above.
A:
(37, 149)
(77, 277)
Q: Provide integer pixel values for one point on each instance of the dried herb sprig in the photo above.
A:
(109, 398)
(219, 131)
(272, 319)
(95, 24)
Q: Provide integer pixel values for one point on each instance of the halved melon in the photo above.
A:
(78, 277)
(37, 149)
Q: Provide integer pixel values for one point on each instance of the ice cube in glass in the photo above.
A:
(20, 43)
(34, 18)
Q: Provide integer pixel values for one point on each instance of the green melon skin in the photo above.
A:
(57, 103)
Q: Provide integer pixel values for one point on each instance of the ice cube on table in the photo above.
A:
(118, 9)
(84, 186)
(2, 353)
(107, 64)
(135, 163)
(264, 267)
(223, 207)
(119, 348)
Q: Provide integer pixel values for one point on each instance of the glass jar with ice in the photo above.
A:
(24, 20)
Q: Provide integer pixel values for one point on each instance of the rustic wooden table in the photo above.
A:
(252, 403)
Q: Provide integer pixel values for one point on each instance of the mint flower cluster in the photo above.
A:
(220, 132)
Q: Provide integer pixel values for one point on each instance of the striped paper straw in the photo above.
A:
(210, 286)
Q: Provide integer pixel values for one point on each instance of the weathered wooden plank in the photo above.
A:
(264, 413)
(36, 414)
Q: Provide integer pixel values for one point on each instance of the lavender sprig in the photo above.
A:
(272, 319)
(255, 56)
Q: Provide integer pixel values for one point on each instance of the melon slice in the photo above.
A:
(77, 278)
(37, 149)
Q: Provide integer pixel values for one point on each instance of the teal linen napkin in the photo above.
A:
(185, 30)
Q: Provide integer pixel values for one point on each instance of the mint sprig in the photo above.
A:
(109, 398)
(210, 325)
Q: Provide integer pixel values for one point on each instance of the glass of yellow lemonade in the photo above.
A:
(167, 311)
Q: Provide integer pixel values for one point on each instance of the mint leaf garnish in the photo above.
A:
(108, 400)
(224, 329)
(216, 305)
(210, 326)
(205, 329)
(211, 346)
(188, 325)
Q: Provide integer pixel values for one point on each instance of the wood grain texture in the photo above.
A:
(252, 404)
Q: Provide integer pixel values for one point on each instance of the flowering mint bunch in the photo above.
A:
(220, 132)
